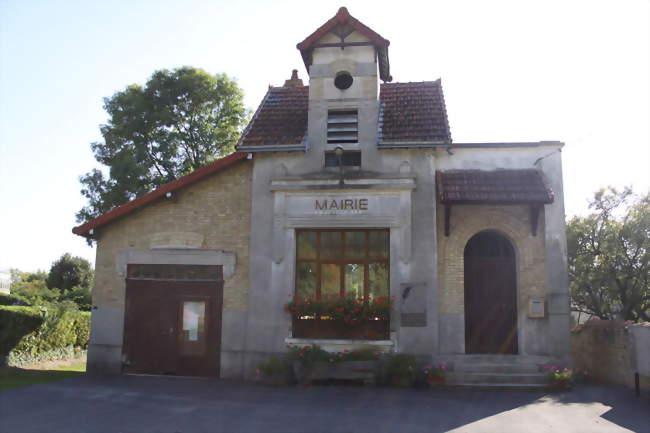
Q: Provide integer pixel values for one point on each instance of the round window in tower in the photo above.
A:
(343, 80)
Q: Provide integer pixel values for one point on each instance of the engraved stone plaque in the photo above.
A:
(413, 320)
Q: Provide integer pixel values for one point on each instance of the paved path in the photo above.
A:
(133, 404)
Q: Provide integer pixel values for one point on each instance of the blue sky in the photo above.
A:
(575, 71)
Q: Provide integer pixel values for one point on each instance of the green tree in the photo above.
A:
(32, 288)
(181, 120)
(68, 272)
(609, 257)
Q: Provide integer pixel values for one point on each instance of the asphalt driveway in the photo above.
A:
(168, 404)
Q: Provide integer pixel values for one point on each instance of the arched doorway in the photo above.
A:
(490, 295)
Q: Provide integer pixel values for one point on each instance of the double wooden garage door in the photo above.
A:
(172, 321)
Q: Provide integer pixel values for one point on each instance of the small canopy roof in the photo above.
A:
(498, 186)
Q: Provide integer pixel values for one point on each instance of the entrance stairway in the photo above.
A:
(512, 372)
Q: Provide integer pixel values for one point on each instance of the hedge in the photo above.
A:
(63, 332)
(15, 324)
(7, 299)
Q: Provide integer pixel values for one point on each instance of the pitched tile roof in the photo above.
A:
(413, 112)
(347, 23)
(181, 182)
(499, 186)
(281, 118)
(410, 113)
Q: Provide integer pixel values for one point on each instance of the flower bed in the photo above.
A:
(343, 317)
(435, 375)
(560, 378)
(313, 363)
(332, 329)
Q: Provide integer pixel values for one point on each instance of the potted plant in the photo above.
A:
(560, 378)
(435, 375)
(402, 370)
(309, 362)
(340, 317)
(273, 371)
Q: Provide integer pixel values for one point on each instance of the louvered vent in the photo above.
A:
(342, 126)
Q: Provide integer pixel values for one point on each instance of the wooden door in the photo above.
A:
(172, 326)
(490, 295)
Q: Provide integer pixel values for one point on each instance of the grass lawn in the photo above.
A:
(13, 377)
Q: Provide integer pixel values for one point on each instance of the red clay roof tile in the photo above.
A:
(181, 182)
(281, 118)
(409, 113)
(499, 186)
(413, 112)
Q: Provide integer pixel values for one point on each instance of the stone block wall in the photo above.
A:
(607, 349)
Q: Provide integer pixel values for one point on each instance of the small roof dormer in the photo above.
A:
(342, 25)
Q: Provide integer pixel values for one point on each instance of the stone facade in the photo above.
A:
(246, 218)
(213, 214)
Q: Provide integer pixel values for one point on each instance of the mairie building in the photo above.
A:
(347, 184)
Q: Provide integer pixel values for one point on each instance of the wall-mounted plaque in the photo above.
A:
(536, 308)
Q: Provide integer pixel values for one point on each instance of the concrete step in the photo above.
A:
(479, 378)
(485, 367)
(500, 386)
(497, 359)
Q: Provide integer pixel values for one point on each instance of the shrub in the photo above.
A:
(15, 323)
(82, 329)
(558, 376)
(402, 369)
(368, 354)
(273, 366)
(434, 375)
(63, 332)
(308, 354)
(6, 299)
(79, 295)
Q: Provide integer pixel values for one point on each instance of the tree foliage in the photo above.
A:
(68, 272)
(68, 282)
(179, 121)
(609, 257)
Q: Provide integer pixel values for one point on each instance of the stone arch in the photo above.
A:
(513, 222)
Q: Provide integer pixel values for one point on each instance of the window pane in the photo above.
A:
(306, 281)
(306, 245)
(330, 283)
(354, 280)
(355, 244)
(193, 320)
(330, 245)
(378, 245)
(378, 280)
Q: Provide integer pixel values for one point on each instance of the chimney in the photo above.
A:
(294, 81)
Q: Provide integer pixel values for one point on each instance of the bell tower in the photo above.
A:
(345, 60)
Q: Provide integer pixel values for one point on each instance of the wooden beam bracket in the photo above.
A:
(534, 218)
(447, 219)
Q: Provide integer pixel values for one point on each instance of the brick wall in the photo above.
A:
(211, 214)
(511, 221)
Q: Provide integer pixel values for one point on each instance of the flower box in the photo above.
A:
(305, 373)
(338, 329)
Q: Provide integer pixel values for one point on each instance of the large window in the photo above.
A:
(342, 262)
